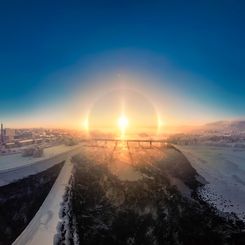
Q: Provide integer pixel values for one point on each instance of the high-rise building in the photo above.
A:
(2, 134)
(9, 135)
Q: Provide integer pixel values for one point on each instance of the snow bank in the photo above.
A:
(42, 228)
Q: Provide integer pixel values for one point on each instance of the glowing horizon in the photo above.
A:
(167, 110)
(53, 78)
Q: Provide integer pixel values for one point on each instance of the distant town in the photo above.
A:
(32, 141)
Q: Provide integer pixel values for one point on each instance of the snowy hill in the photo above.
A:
(226, 126)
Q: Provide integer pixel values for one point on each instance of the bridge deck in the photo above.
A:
(125, 140)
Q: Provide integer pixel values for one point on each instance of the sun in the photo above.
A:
(122, 124)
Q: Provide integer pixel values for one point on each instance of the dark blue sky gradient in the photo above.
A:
(204, 39)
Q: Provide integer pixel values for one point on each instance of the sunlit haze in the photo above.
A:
(122, 122)
(60, 79)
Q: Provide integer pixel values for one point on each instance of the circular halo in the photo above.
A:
(136, 113)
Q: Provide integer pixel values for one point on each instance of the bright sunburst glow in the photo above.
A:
(122, 113)
(122, 124)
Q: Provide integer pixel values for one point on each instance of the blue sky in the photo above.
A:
(193, 50)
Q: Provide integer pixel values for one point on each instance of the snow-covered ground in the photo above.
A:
(13, 167)
(43, 227)
(224, 169)
(17, 160)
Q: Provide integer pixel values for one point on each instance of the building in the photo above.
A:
(9, 134)
(2, 134)
(24, 142)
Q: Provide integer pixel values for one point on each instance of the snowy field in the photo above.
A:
(17, 160)
(15, 167)
(224, 169)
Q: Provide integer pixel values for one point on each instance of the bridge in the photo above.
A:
(126, 141)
